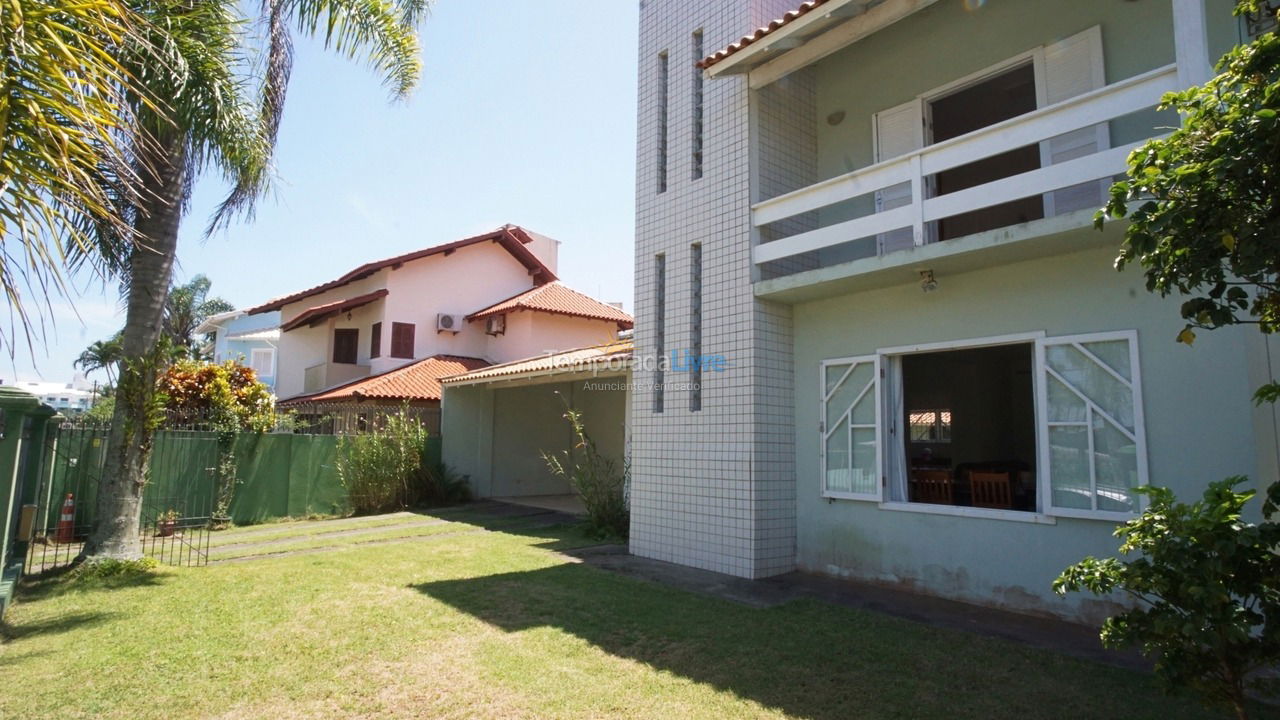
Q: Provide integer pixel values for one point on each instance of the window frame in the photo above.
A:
(354, 333)
(271, 361)
(1043, 472)
(397, 338)
(877, 392)
(1045, 512)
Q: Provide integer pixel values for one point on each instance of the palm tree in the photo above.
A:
(213, 124)
(101, 355)
(64, 111)
(188, 306)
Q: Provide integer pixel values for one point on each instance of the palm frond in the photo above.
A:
(64, 161)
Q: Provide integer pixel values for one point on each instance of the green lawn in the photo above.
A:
(498, 623)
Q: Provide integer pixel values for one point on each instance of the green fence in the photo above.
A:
(277, 474)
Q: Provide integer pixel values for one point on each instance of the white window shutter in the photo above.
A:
(898, 131)
(1092, 441)
(1072, 67)
(850, 428)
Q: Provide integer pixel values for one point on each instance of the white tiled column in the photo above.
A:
(714, 488)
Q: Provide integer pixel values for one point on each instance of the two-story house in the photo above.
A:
(387, 331)
(251, 340)
(879, 214)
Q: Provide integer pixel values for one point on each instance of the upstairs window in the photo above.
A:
(345, 343)
(375, 340)
(402, 340)
(262, 361)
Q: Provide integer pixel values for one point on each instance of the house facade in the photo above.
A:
(387, 331)
(874, 220)
(251, 340)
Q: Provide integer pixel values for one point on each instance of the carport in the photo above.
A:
(497, 421)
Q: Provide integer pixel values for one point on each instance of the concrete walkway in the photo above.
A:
(568, 504)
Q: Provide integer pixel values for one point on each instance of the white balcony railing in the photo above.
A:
(1086, 110)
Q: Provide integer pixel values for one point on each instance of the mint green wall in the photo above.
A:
(1196, 400)
(936, 46)
(1224, 29)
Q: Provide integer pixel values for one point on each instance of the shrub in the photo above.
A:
(382, 470)
(598, 480)
(97, 569)
(439, 484)
(1207, 588)
(228, 396)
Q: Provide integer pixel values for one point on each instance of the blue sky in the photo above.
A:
(526, 114)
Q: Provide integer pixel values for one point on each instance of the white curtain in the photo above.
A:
(895, 442)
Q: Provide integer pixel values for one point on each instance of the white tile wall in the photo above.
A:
(715, 488)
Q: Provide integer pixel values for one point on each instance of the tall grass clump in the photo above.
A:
(387, 469)
(381, 468)
(599, 480)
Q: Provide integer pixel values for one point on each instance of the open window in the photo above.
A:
(971, 427)
(1043, 76)
(1023, 424)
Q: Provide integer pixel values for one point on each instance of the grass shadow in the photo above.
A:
(52, 583)
(550, 529)
(52, 626)
(807, 658)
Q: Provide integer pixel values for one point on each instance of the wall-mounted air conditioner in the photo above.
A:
(446, 322)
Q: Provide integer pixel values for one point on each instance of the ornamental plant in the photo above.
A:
(1202, 203)
(599, 480)
(1206, 589)
(228, 396)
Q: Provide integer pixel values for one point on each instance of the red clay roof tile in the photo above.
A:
(311, 316)
(759, 33)
(556, 298)
(418, 380)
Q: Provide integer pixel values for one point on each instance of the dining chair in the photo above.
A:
(991, 489)
(936, 487)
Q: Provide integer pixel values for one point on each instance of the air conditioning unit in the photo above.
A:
(495, 324)
(446, 322)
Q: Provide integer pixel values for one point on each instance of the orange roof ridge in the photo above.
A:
(759, 33)
(558, 299)
(418, 380)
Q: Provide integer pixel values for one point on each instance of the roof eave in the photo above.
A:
(817, 33)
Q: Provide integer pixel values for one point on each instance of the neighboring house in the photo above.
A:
(251, 340)
(879, 214)
(76, 396)
(387, 331)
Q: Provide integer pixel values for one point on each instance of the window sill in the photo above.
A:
(962, 511)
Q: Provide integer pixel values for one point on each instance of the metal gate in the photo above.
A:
(177, 501)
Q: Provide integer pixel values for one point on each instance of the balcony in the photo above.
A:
(898, 208)
(327, 375)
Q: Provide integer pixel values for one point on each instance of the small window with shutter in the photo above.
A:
(402, 340)
(375, 340)
(345, 342)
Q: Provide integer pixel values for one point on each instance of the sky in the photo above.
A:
(525, 115)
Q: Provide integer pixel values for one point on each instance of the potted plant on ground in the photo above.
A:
(167, 523)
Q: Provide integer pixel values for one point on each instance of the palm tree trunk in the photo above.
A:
(116, 535)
